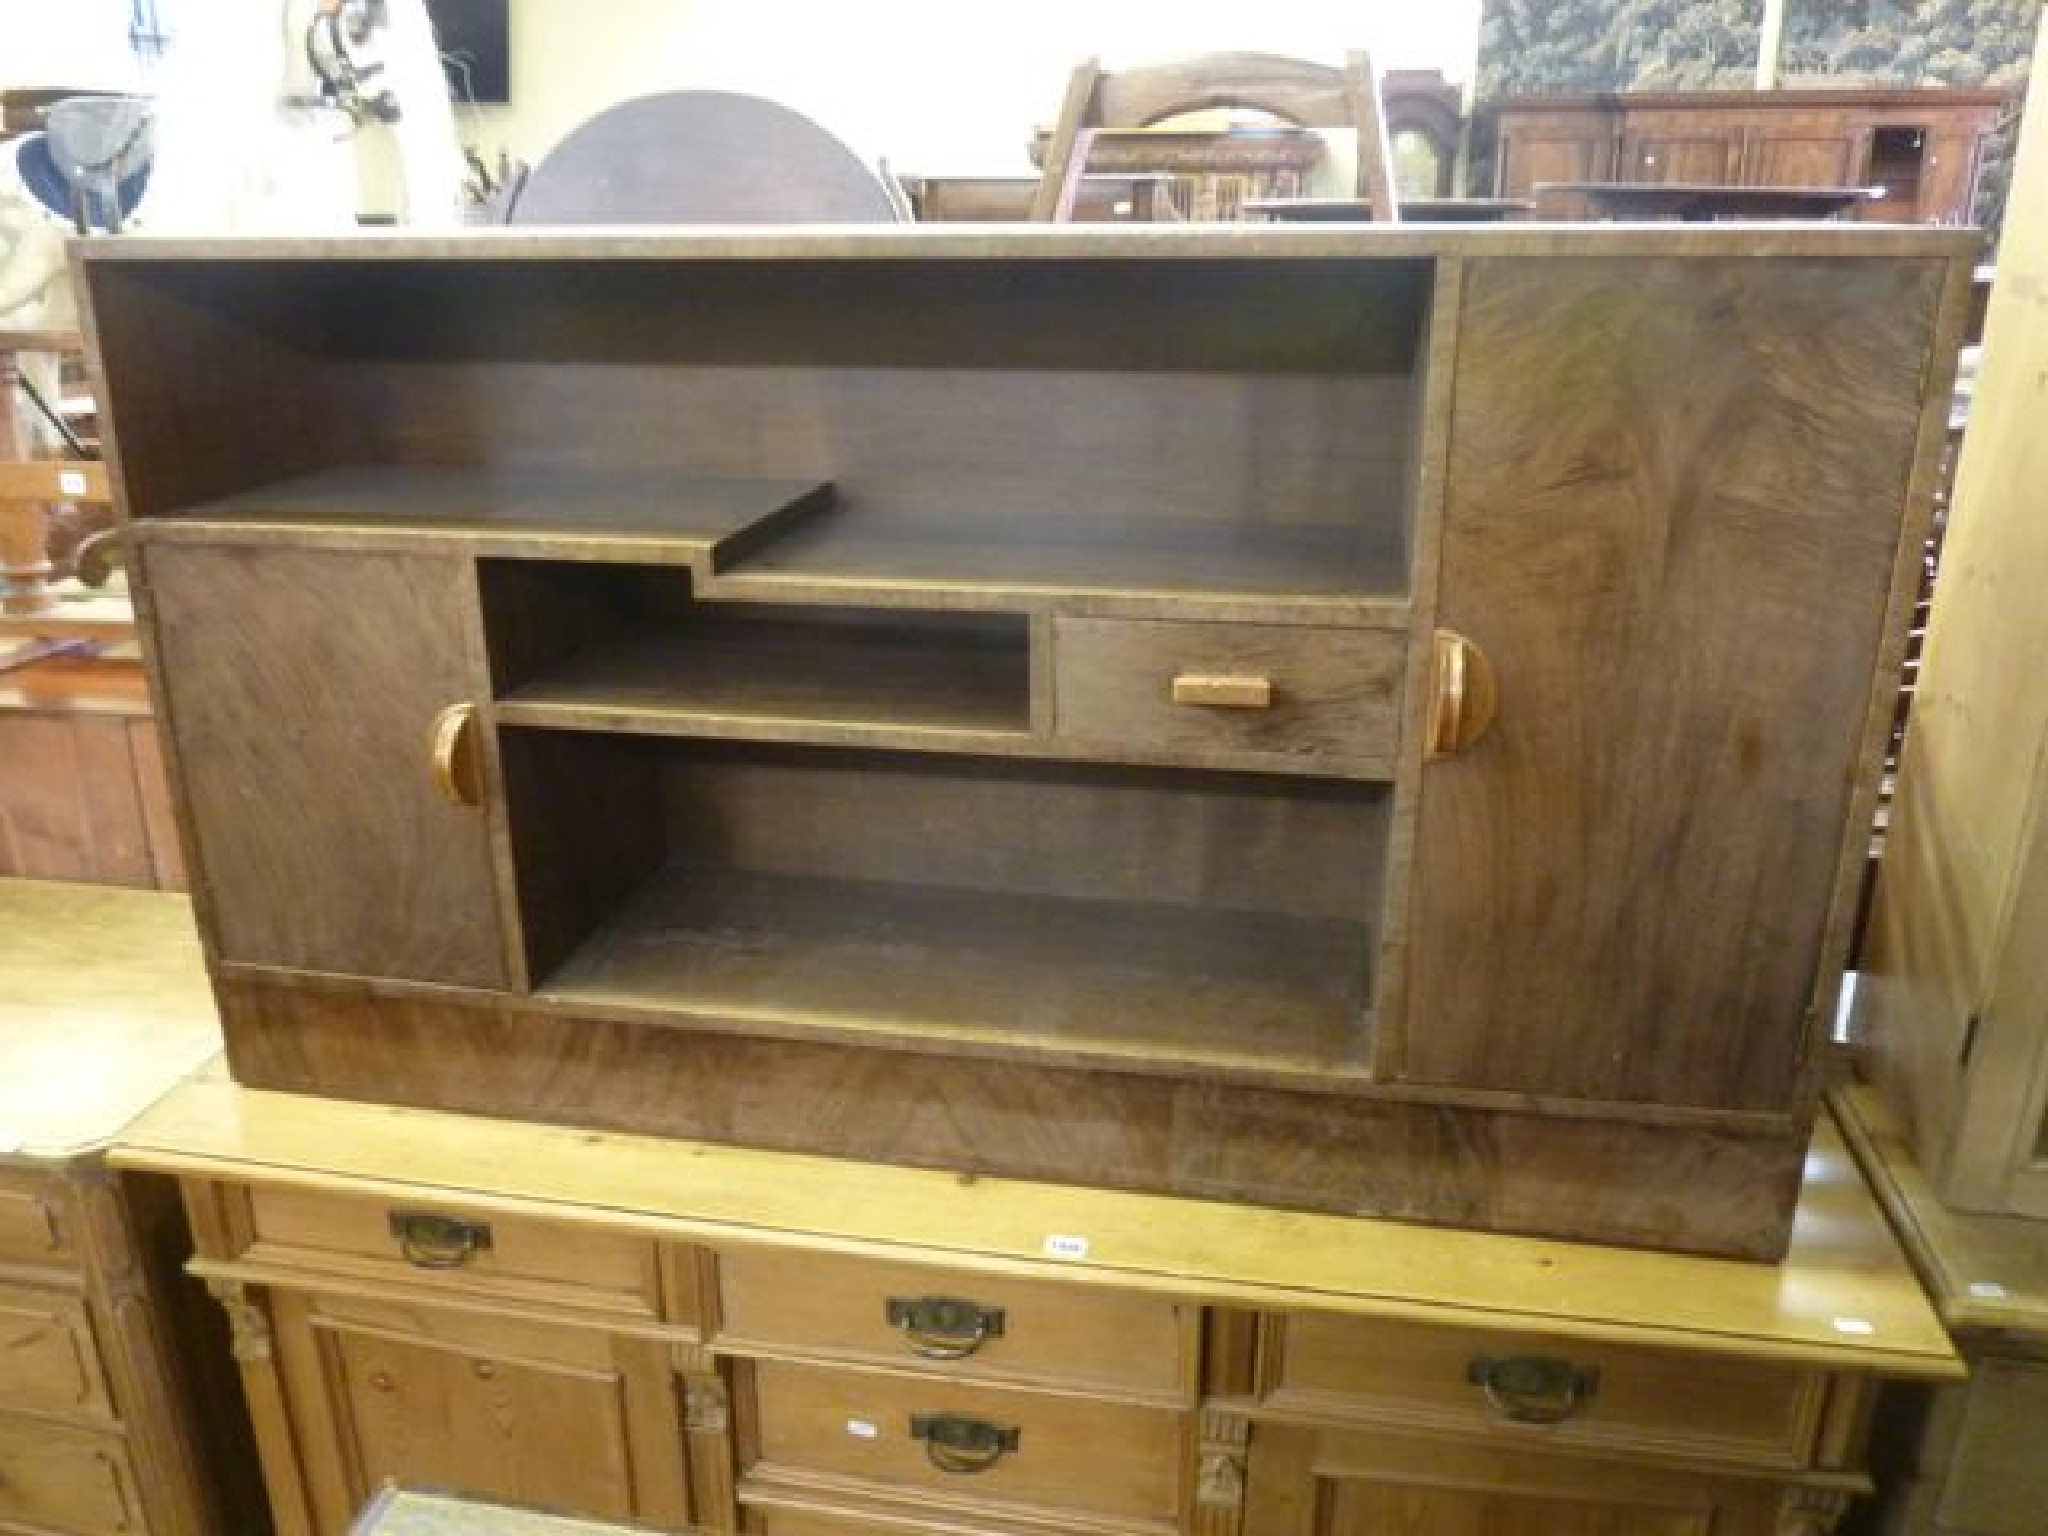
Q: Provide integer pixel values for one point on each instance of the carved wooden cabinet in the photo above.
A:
(1925, 148)
(118, 1414)
(1376, 721)
(621, 1327)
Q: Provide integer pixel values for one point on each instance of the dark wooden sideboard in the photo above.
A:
(1246, 713)
(1923, 147)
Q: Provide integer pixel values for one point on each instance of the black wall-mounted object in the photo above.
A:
(475, 39)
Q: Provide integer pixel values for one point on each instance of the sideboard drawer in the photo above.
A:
(31, 1224)
(48, 1360)
(1598, 1396)
(64, 1481)
(993, 1446)
(506, 1258)
(988, 1327)
(1224, 694)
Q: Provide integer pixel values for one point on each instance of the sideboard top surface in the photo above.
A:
(994, 242)
(1844, 1295)
(103, 1005)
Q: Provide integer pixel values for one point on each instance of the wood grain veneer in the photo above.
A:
(949, 779)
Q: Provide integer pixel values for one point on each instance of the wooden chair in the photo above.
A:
(702, 157)
(1304, 93)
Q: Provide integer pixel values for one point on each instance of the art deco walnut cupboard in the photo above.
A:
(1377, 721)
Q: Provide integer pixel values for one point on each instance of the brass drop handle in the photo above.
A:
(1218, 690)
(1532, 1389)
(451, 746)
(954, 1442)
(1462, 698)
(431, 1241)
(943, 1327)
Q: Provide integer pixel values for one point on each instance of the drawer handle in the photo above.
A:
(451, 746)
(943, 1327)
(429, 1241)
(953, 1442)
(1533, 1389)
(1212, 690)
(1462, 698)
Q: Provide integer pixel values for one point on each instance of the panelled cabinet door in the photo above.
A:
(566, 1419)
(1309, 1482)
(302, 691)
(1680, 575)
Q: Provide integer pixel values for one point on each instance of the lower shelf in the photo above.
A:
(1175, 986)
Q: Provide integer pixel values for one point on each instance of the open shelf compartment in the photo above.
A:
(1160, 919)
(630, 648)
(998, 431)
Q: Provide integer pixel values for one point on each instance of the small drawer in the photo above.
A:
(48, 1360)
(983, 1446)
(423, 1242)
(1231, 695)
(990, 1328)
(65, 1481)
(1750, 1412)
(32, 1220)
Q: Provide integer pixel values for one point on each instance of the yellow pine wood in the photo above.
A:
(1984, 1272)
(1844, 1296)
(103, 1004)
(831, 1306)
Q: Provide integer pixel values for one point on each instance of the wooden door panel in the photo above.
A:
(1359, 1508)
(547, 1434)
(563, 1418)
(301, 688)
(1681, 577)
(1801, 160)
(1680, 156)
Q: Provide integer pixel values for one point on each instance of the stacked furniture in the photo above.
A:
(1375, 721)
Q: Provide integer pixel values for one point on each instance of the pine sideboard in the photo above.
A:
(1383, 721)
(642, 1330)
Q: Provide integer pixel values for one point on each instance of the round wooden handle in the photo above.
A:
(1462, 699)
(452, 750)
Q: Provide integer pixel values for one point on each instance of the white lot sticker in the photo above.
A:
(1855, 1325)
(1065, 1245)
(1990, 1290)
(863, 1428)
(70, 482)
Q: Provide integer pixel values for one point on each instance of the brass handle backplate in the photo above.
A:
(451, 746)
(943, 1327)
(1218, 690)
(431, 1241)
(954, 1442)
(1462, 696)
(1533, 1389)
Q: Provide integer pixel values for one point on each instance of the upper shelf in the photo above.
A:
(593, 513)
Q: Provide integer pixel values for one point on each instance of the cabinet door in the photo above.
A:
(1679, 147)
(1801, 154)
(1672, 521)
(561, 1418)
(1561, 146)
(1311, 1482)
(301, 687)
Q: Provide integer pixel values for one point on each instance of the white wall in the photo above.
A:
(935, 86)
(84, 43)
